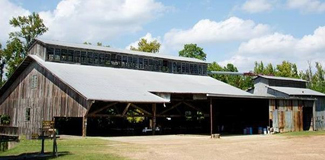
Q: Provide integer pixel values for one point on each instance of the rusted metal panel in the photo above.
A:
(286, 115)
(48, 99)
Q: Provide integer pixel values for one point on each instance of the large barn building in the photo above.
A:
(94, 90)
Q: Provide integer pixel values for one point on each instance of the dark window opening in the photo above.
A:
(124, 61)
(119, 60)
(141, 63)
(129, 65)
(57, 54)
(50, 54)
(101, 59)
(146, 64)
(77, 56)
(95, 58)
(90, 58)
(83, 57)
(179, 67)
(135, 62)
(108, 59)
(27, 114)
(70, 55)
(165, 66)
(64, 53)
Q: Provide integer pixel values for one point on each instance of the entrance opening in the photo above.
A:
(307, 117)
(232, 116)
(69, 125)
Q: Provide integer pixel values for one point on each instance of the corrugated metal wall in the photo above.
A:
(286, 115)
(320, 113)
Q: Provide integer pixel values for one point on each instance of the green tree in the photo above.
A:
(2, 64)
(316, 81)
(287, 69)
(260, 69)
(87, 43)
(29, 27)
(98, 44)
(193, 51)
(242, 82)
(145, 46)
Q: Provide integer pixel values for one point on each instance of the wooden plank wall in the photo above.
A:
(287, 116)
(50, 98)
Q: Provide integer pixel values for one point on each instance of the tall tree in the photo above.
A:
(29, 27)
(2, 64)
(260, 69)
(287, 69)
(146, 46)
(193, 51)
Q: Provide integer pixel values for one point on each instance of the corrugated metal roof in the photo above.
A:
(281, 78)
(297, 91)
(109, 49)
(126, 85)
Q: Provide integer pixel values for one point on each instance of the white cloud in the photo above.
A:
(307, 6)
(207, 31)
(277, 47)
(8, 11)
(100, 20)
(256, 6)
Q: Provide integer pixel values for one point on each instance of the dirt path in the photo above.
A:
(190, 147)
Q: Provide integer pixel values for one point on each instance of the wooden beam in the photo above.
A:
(102, 108)
(84, 126)
(211, 118)
(154, 107)
(106, 115)
(172, 107)
(142, 110)
(195, 108)
(126, 109)
(314, 116)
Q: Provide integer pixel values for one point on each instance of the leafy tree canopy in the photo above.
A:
(29, 27)
(145, 46)
(193, 51)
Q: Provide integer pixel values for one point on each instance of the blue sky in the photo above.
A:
(238, 31)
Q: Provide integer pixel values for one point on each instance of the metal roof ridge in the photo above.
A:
(125, 51)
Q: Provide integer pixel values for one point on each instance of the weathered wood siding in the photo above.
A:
(286, 115)
(38, 50)
(320, 113)
(47, 99)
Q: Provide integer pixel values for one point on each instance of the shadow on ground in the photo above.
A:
(34, 155)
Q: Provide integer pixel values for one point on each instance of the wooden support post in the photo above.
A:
(126, 109)
(314, 115)
(84, 126)
(153, 119)
(43, 138)
(55, 146)
(211, 118)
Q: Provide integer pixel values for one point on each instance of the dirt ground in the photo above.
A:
(188, 147)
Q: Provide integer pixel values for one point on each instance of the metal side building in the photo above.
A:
(294, 106)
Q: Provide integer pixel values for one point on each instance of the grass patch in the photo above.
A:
(72, 149)
(303, 133)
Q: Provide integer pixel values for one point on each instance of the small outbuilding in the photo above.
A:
(293, 107)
